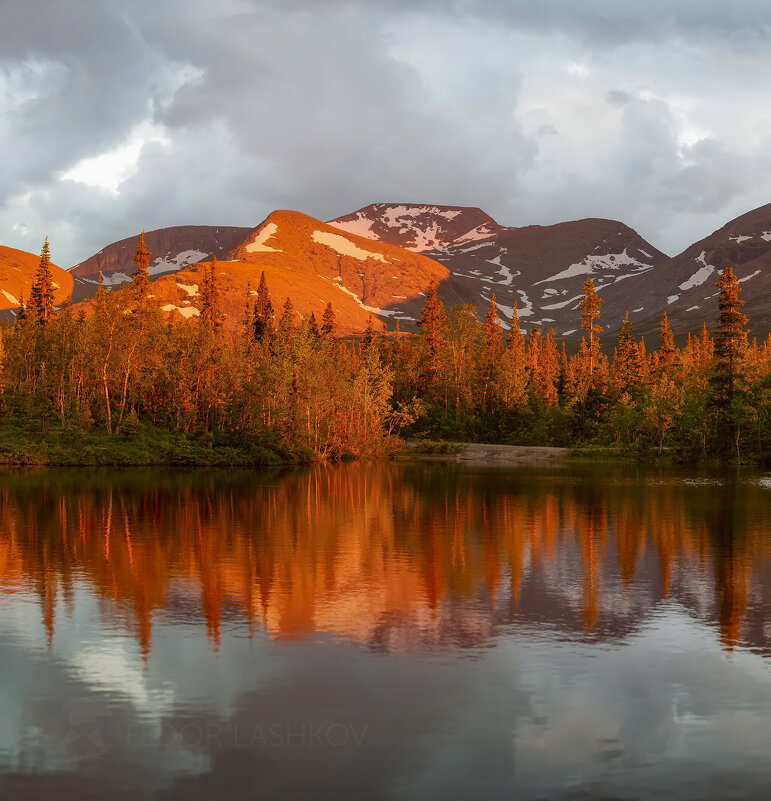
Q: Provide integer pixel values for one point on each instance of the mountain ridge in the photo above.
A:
(380, 259)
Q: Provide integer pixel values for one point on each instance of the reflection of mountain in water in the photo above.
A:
(393, 556)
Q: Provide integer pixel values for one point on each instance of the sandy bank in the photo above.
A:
(475, 453)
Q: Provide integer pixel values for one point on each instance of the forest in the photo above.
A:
(115, 381)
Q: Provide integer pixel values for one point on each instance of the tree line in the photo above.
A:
(711, 397)
(118, 364)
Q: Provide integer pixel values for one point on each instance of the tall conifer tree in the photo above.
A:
(328, 323)
(140, 278)
(263, 311)
(42, 296)
(590, 313)
(210, 311)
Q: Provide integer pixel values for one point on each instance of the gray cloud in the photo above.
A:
(237, 108)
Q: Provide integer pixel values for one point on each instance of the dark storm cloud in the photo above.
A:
(607, 22)
(239, 107)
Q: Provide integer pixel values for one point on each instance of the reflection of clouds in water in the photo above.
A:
(110, 668)
(447, 614)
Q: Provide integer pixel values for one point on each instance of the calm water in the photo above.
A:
(389, 631)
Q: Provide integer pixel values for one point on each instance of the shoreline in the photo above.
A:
(474, 453)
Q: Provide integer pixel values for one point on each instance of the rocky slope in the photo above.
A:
(17, 274)
(172, 249)
(313, 263)
(687, 291)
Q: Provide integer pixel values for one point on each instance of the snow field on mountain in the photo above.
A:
(345, 247)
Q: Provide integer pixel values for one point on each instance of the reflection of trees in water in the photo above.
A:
(396, 556)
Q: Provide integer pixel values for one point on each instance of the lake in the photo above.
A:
(385, 631)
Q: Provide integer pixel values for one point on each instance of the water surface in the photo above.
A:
(385, 631)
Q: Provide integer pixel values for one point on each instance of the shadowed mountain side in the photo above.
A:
(540, 268)
(172, 249)
(689, 295)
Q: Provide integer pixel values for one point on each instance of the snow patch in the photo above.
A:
(483, 231)
(562, 304)
(360, 226)
(592, 263)
(672, 299)
(692, 308)
(10, 297)
(186, 312)
(701, 275)
(747, 277)
(258, 245)
(173, 264)
(191, 289)
(471, 248)
(345, 247)
(338, 282)
(508, 311)
(568, 333)
(527, 310)
(739, 239)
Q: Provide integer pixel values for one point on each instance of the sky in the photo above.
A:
(120, 116)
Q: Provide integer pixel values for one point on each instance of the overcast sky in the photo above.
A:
(118, 115)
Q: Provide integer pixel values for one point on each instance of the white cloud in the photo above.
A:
(109, 169)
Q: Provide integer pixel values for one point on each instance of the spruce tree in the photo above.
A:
(492, 333)
(430, 326)
(515, 340)
(590, 312)
(667, 349)
(21, 312)
(549, 364)
(369, 333)
(286, 323)
(263, 311)
(42, 296)
(730, 351)
(140, 278)
(210, 313)
(328, 321)
(731, 333)
(627, 364)
(313, 326)
(492, 347)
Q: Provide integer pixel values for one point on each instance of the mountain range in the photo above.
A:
(379, 261)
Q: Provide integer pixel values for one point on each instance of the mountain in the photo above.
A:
(17, 274)
(381, 258)
(689, 295)
(313, 263)
(172, 250)
(541, 268)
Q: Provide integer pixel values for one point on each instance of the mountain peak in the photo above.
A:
(416, 226)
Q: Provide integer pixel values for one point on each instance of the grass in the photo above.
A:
(142, 447)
